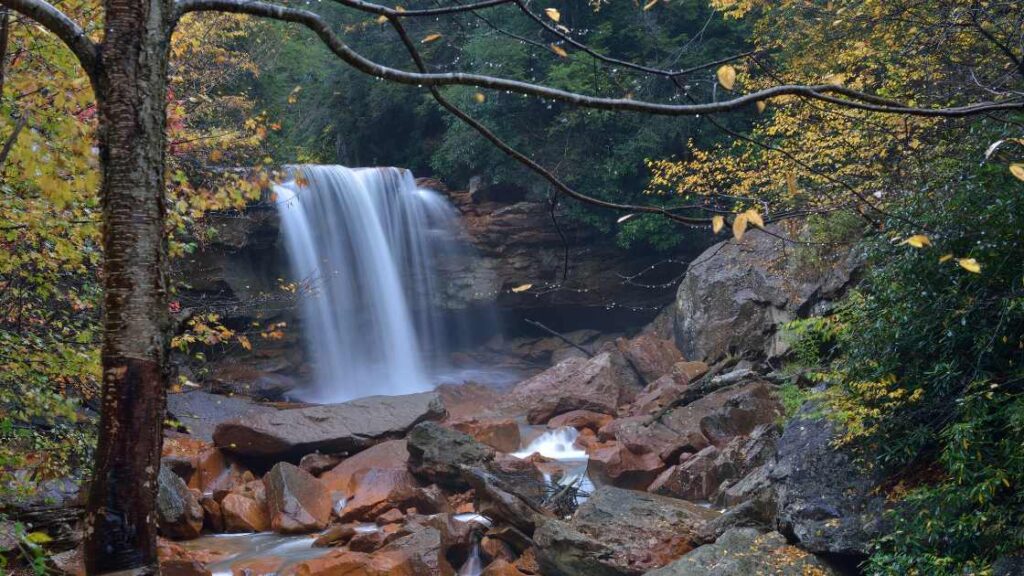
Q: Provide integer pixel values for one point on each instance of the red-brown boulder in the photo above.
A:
(650, 356)
(298, 503)
(581, 419)
(618, 466)
(502, 434)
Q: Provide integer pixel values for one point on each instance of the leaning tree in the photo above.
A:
(128, 70)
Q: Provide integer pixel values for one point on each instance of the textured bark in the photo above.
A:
(131, 90)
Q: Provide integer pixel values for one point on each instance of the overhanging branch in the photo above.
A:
(61, 26)
(835, 94)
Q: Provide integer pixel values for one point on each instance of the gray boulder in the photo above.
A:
(348, 427)
(178, 513)
(736, 294)
(437, 454)
(747, 552)
(826, 499)
(620, 532)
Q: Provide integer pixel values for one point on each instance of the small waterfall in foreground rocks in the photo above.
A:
(363, 244)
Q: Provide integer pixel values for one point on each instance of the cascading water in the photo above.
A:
(364, 242)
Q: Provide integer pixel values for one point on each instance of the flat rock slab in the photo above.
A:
(348, 427)
(201, 412)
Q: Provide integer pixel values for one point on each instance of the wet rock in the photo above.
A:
(496, 549)
(618, 466)
(826, 500)
(747, 552)
(581, 419)
(713, 420)
(335, 535)
(182, 467)
(424, 552)
(620, 532)
(527, 562)
(347, 562)
(298, 503)
(179, 514)
(213, 517)
(502, 434)
(348, 427)
(649, 355)
(735, 296)
(599, 384)
(317, 463)
(514, 499)
(389, 455)
(437, 454)
(174, 561)
(255, 566)
(244, 514)
(216, 472)
(247, 380)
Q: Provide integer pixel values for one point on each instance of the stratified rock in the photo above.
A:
(618, 466)
(437, 454)
(649, 355)
(713, 420)
(201, 411)
(298, 503)
(502, 434)
(348, 427)
(600, 384)
(374, 492)
(747, 552)
(737, 293)
(668, 388)
(620, 532)
(178, 512)
(826, 500)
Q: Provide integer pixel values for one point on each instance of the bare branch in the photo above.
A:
(827, 92)
(63, 27)
(385, 11)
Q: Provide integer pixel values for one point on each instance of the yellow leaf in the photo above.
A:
(216, 156)
(244, 341)
(553, 13)
(650, 5)
(754, 218)
(945, 258)
(761, 105)
(739, 226)
(479, 97)
(918, 241)
(382, 19)
(430, 38)
(717, 223)
(38, 537)
(1017, 170)
(727, 76)
(559, 50)
(970, 264)
(522, 288)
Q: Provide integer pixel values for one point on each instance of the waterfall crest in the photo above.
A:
(364, 242)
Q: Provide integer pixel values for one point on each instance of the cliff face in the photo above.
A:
(578, 277)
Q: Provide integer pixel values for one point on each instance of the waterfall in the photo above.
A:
(363, 244)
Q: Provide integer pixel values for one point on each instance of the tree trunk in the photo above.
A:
(131, 94)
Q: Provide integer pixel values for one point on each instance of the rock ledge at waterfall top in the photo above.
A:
(346, 427)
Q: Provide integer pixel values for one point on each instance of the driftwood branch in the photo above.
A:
(561, 337)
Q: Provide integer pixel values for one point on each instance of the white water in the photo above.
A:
(558, 444)
(474, 564)
(364, 242)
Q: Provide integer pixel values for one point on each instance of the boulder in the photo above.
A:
(502, 434)
(348, 427)
(437, 454)
(617, 466)
(179, 515)
(200, 412)
(712, 420)
(581, 419)
(620, 532)
(600, 384)
(826, 499)
(668, 388)
(298, 503)
(501, 567)
(650, 356)
(244, 514)
(737, 294)
(389, 455)
(375, 491)
(344, 562)
(317, 463)
(747, 552)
